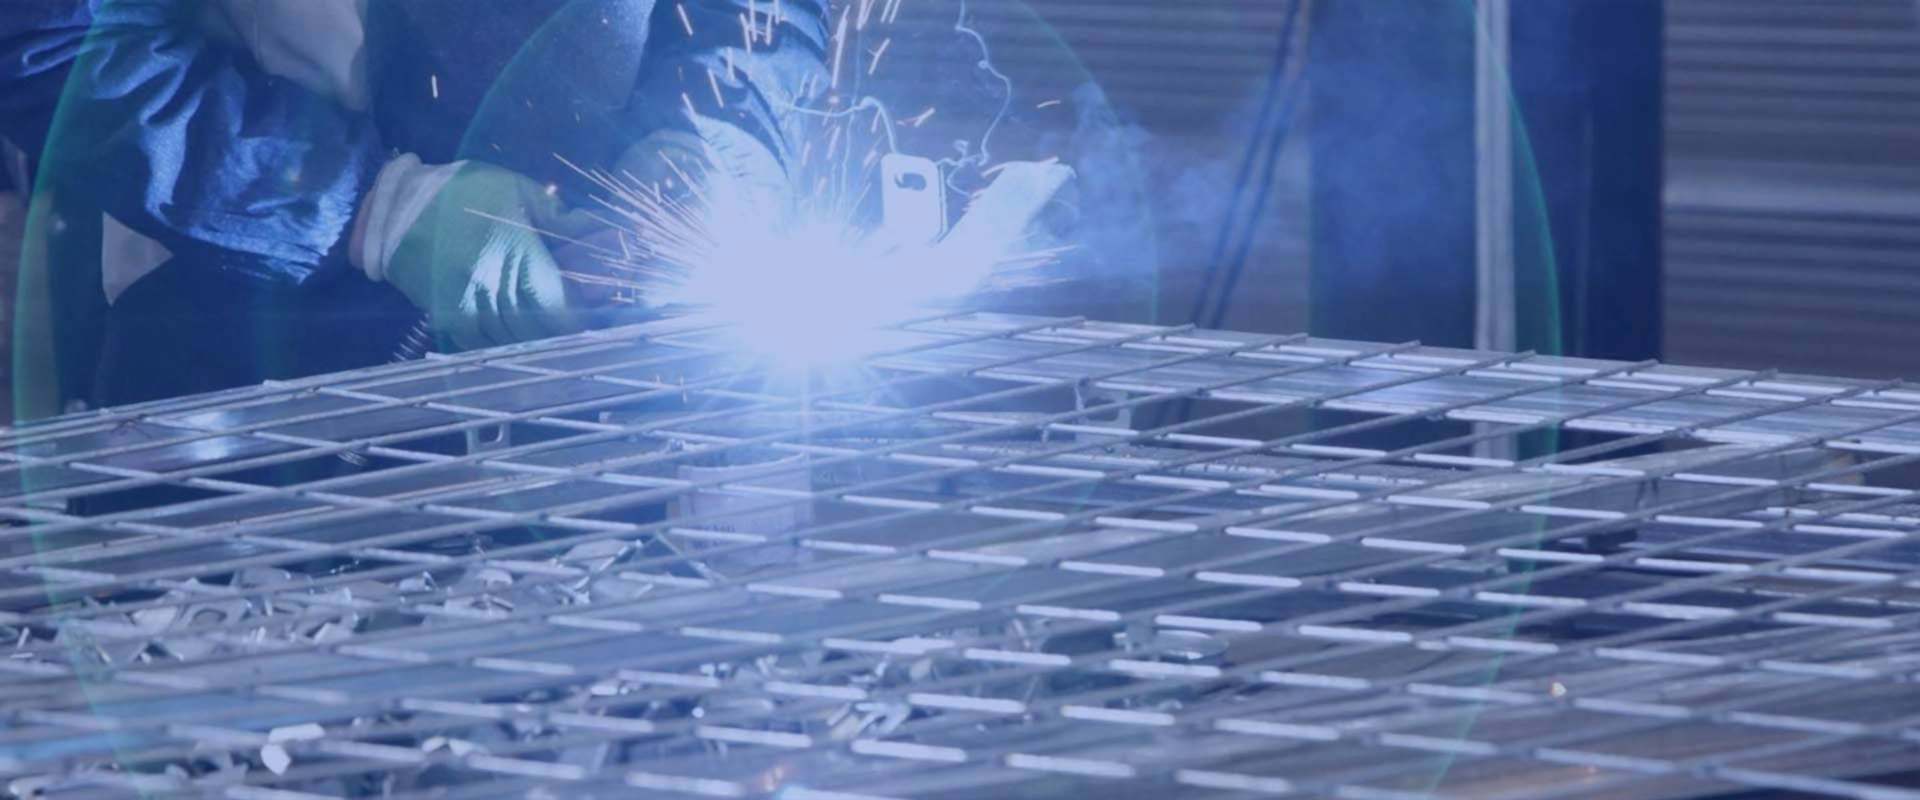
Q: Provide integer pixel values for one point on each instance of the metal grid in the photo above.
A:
(1004, 557)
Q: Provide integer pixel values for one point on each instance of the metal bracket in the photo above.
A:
(913, 201)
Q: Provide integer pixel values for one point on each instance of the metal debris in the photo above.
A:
(967, 569)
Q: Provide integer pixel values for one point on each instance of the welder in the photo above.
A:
(228, 191)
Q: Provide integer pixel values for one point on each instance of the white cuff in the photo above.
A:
(400, 195)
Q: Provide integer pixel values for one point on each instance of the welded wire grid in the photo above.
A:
(1003, 557)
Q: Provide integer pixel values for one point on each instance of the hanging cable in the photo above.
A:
(1240, 226)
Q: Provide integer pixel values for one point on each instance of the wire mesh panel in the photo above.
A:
(1000, 557)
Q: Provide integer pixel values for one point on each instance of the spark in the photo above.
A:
(1049, 103)
(866, 104)
(839, 48)
(686, 180)
(803, 283)
(801, 275)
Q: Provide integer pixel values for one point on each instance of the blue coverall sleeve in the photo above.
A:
(186, 139)
(700, 48)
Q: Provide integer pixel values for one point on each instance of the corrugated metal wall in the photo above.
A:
(1179, 64)
(1793, 192)
(1793, 189)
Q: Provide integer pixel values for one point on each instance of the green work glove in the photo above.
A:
(464, 243)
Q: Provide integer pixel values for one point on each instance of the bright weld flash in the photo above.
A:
(795, 280)
(815, 293)
(799, 283)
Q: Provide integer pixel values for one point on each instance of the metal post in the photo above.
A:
(1494, 314)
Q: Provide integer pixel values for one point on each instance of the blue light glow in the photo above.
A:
(807, 289)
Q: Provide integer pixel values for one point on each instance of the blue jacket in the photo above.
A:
(181, 139)
(187, 141)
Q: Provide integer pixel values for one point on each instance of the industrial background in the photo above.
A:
(1785, 160)
(1471, 399)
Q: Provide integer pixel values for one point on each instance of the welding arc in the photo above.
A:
(1262, 159)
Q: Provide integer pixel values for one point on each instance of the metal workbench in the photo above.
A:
(1001, 557)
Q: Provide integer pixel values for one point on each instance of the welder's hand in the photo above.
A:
(464, 243)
